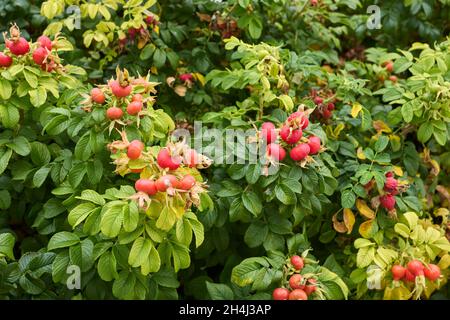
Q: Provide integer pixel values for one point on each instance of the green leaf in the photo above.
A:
(112, 219)
(6, 245)
(381, 143)
(285, 194)
(152, 263)
(219, 291)
(81, 255)
(365, 256)
(95, 171)
(30, 78)
(425, 132)
(256, 234)
(92, 196)
(4, 159)
(294, 185)
(199, 233)
(59, 266)
(124, 285)
(159, 58)
(255, 27)
(244, 274)
(139, 252)
(80, 213)
(40, 155)
(181, 258)
(287, 102)
(334, 287)
(5, 89)
(107, 267)
(147, 51)
(38, 96)
(361, 243)
(252, 202)
(20, 145)
(9, 116)
(253, 173)
(40, 176)
(166, 219)
(407, 112)
(62, 239)
(183, 232)
(31, 285)
(77, 174)
(82, 148)
(130, 217)
(440, 136)
(348, 198)
(229, 189)
(5, 199)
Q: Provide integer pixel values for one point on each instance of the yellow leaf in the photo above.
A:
(430, 287)
(435, 167)
(154, 70)
(329, 131)
(380, 126)
(349, 220)
(356, 109)
(199, 77)
(397, 293)
(156, 29)
(444, 263)
(398, 170)
(327, 68)
(364, 209)
(360, 154)
(339, 226)
(366, 229)
(154, 209)
(338, 129)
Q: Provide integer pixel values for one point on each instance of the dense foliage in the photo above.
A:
(349, 197)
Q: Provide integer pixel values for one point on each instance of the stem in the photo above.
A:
(261, 108)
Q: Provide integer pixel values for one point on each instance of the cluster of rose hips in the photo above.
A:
(121, 88)
(42, 54)
(389, 66)
(291, 134)
(19, 46)
(390, 190)
(164, 176)
(228, 26)
(387, 200)
(325, 104)
(415, 269)
(300, 287)
(166, 161)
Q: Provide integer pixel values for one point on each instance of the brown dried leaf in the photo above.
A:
(349, 220)
(339, 226)
(180, 90)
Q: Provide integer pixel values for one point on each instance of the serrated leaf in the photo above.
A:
(62, 239)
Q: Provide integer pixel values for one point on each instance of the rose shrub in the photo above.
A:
(349, 195)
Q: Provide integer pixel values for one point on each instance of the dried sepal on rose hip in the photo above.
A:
(16, 44)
